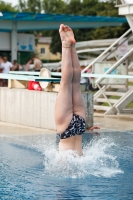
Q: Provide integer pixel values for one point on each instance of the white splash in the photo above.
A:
(99, 158)
(96, 160)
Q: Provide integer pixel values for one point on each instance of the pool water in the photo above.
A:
(32, 168)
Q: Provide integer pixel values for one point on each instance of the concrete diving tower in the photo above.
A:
(116, 95)
(126, 8)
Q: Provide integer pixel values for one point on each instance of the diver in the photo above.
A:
(70, 113)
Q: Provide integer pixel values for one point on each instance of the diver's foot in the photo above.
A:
(66, 42)
(69, 34)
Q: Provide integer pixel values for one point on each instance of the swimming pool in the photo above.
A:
(31, 168)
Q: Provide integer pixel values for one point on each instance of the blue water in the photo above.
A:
(31, 168)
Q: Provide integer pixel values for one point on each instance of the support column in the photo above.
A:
(14, 41)
(130, 21)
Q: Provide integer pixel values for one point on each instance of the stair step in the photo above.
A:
(130, 87)
(127, 111)
(130, 80)
(102, 100)
(98, 114)
(130, 73)
(115, 93)
(98, 107)
(118, 86)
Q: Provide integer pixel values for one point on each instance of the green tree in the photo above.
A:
(7, 7)
(56, 6)
(107, 9)
(56, 42)
(73, 7)
(77, 7)
(89, 7)
(30, 5)
(94, 8)
(22, 5)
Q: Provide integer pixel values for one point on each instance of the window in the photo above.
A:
(42, 50)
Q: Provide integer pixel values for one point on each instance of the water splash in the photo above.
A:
(99, 157)
(97, 160)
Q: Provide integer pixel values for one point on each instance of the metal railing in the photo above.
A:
(115, 48)
(107, 50)
(115, 65)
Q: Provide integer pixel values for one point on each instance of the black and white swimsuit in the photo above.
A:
(76, 127)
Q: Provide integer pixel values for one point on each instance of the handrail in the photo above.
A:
(115, 48)
(115, 65)
(106, 50)
(18, 74)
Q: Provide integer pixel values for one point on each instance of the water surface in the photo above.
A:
(32, 168)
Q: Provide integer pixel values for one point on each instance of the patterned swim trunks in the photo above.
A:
(76, 127)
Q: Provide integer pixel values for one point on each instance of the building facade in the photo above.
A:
(43, 50)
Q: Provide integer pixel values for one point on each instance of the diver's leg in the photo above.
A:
(77, 100)
(78, 104)
(63, 106)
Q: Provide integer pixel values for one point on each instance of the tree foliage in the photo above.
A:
(56, 6)
(30, 6)
(7, 7)
(76, 7)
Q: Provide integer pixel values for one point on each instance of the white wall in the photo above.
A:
(24, 42)
(34, 108)
(5, 41)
